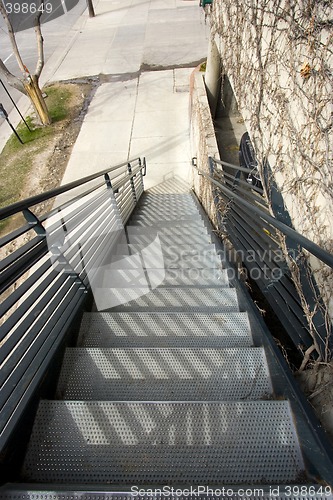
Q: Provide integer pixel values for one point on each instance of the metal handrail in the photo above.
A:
(301, 240)
(21, 205)
(45, 279)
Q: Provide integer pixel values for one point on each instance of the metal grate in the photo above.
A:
(168, 205)
(163, 208)
(165, 330)
(165, 277)
(189, 221)
(172, 257)
(189, 229)
(149, 443)
(164, 374)
(164, 299)
(170, 239)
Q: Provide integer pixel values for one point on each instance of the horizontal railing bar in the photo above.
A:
(261, 229)
(16, 336)
(239, 183)
(77, 256)
(22, 265)
(231, 165)
(17, 254)
(72, 201)
(80, 222)
(8, 238)
(15, 405)
(43, 350)
(304, 242)
(19, 292)
(86, 207)
(275, 300)
(35, 200)
(31, 343)
(247, 238)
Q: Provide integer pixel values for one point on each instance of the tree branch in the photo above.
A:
(12, 80)
(40, 41)
(12, 39)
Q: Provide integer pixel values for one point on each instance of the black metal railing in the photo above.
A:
(48, 261)
(255, 236)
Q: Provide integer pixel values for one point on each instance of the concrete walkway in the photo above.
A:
(144, 109)
(147, 49)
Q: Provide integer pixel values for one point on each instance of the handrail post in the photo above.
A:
(108, 181)
(143, 171)
(34, 222)
(54, 250)
(129, 168)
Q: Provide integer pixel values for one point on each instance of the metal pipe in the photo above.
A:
(15, 105)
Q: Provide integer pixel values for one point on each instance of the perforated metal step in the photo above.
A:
(167, 299)
(175, 222)
(148, 329)
(165, 277)
(175, 238)
(161, 374)
(170, 256)
(161, 208)
(177, 443)
(175, 229)
(167, 205)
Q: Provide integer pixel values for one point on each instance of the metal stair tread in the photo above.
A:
(175, 222)
(230, 329)
(169, 239)
(128, 256)
(175, 229)
(161, 277)
(167, 374)
(162, 299)
(131, 443)
(157, 260)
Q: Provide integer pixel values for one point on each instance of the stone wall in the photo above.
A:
(203, 142)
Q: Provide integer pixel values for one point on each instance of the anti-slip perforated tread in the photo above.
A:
(188, 229)
(175, 222)
(144, 329)
(149, 443)
(165, 205)
(170, 239)
(168, 256)
(167, 299)
(166, 277)
(161, 374)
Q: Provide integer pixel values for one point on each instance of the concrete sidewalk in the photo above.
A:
(147, 49)
(143, 110)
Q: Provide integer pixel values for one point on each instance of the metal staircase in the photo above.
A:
(167, 387)
(169, 384)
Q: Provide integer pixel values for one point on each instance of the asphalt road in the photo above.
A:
(53, 31)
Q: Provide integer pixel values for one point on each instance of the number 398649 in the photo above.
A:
(28, 8)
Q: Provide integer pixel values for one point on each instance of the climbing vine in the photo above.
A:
(278, 55)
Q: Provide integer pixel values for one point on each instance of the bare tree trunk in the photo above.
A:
(33, 91)
(29, 83)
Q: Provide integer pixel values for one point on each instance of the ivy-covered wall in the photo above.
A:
(278, 56)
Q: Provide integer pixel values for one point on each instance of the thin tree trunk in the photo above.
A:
(32, 89)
